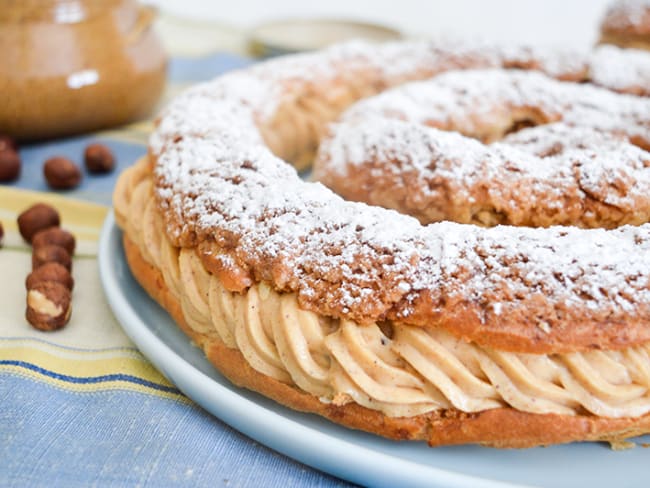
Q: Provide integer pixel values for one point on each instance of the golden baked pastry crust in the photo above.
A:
(456, 147)
(627, 24)
(501, 427)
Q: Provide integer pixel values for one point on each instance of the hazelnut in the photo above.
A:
(99, 159)
(61, 173)
(9, 165)
(48, 305)
(50, 272)
(8, 143)
(54, 236)
(51, 254)
(37, 218)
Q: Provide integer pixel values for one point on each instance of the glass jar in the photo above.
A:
(71, 66)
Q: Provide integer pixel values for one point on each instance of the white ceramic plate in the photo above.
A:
(355, 456)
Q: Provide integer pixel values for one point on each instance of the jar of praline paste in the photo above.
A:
(71, 66)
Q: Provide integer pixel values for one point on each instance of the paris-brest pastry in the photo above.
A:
(481, 275)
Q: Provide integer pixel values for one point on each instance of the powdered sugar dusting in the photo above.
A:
(518, 183)
(579, 267)
(617, 68)
(584, 157)
(217, 183)
(468, 99)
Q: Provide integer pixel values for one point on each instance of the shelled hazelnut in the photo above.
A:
(51, 254)
(48, 305)
(55, 236)
(10, 165)
(98, 158)
(36, 218)
(52, 271)
(61, 173)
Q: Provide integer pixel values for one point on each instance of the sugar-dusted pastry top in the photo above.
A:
(631, 17)
(253, 219)
(402, 150)
(487, 104)
(621, 70)
(265, 88)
